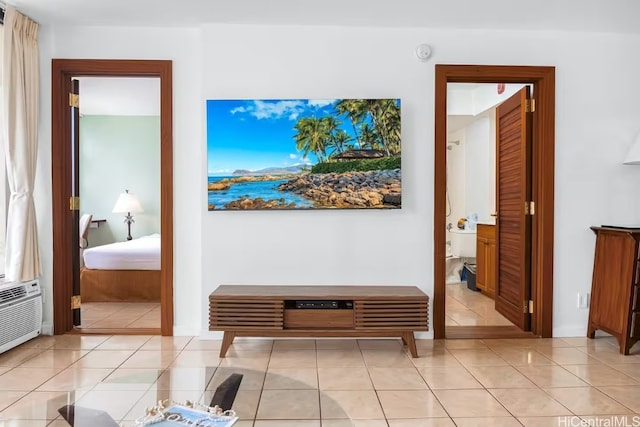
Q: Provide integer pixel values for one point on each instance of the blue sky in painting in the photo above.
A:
(257, 134)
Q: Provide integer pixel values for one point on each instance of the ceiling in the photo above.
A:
(619, 16)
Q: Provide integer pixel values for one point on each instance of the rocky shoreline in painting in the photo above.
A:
(350, 189)
(370, 189)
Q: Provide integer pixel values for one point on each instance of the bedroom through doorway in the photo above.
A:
(119, 210)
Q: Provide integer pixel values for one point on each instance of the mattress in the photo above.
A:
(138, 254)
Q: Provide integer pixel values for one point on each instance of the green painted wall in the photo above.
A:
(119, 153)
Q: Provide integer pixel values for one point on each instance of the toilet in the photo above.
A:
(463, 246)
(463, 243)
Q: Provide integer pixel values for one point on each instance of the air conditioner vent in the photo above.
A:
(20, 313)
(11, 294)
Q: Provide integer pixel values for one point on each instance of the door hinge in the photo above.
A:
(74, 203)
(530, 105)
(528, 307)
(75, 302)
(74, 100)
(529, 208)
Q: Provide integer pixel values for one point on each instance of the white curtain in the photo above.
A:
(19, 138)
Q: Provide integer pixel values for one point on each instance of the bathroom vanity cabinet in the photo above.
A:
(486, 259)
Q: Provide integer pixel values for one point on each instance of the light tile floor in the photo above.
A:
(120, 315)
(465, 307)
(329, 383)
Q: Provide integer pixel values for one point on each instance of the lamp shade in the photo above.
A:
(633, 156)
(127, 202)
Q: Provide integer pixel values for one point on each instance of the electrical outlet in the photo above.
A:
(583, 300)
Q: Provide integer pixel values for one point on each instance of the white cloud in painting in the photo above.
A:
(293, 156)
(239, 110)
(319, 103)
(276, 110)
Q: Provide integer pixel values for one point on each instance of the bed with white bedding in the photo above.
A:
(122, 271)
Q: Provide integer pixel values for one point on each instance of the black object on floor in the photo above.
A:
(226, 392)
(78, 416)
(470, 272)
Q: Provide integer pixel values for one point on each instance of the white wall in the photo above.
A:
(456, 178)
(478, 145)
(119, 153)
(596, 118)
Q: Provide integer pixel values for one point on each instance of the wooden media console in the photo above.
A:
(318, 311)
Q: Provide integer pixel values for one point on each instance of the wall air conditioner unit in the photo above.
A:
(20, 313)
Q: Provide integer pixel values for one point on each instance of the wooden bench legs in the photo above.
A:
(407, 338)
(227, 340)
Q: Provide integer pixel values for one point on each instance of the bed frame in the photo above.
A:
(119, 285)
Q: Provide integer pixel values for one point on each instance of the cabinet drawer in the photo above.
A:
(486, 231)
(392, 315)
(245, 314)
(318, 319)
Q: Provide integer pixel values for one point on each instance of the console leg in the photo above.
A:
(411, 343)
(227, 340)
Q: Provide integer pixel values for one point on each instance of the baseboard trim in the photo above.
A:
(211, 335)
(47, 328)
(569, 332)
(186, 331)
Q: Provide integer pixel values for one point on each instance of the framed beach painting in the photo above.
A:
(303, 154)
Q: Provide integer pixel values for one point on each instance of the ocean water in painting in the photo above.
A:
(267, 190)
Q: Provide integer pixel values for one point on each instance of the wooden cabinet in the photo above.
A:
(318, 311)
(615, 288)
(486, 259)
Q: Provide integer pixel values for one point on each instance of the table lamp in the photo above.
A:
(128, 203)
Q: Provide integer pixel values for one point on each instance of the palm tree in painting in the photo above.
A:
(352, 108)
(341, 141)
(376, 124)
(375, 110)
(331, 124)
(312, 136)
(389, 118)
(369, 137)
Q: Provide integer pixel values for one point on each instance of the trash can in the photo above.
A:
(470, 273)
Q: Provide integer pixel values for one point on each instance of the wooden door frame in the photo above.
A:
(543, 81)
(62, 71)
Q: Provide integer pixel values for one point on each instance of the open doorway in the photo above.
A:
(65, 204)
(119, 187)
(470, 210)
(531, 310)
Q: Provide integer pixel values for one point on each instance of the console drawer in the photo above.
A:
(318, 319)
(245, 314)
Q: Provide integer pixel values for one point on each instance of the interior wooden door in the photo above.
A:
(64, 247)
(74, 201)
(513, 196)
